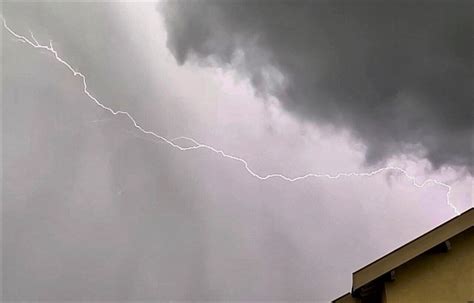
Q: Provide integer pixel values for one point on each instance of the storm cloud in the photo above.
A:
(93, 210)
(398, 76)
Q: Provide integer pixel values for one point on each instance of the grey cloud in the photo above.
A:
(398, 75)
(92, 213)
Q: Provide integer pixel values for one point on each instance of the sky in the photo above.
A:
(94, 209)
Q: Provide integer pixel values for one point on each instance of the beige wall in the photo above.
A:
(442, 277)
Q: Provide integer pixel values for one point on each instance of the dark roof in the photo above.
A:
(413, 249)
(409, 251)
(347, 298)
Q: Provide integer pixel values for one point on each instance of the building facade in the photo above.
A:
(437, 267)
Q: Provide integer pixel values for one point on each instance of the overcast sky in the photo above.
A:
(93, 209)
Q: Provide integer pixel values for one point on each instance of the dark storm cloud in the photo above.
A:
(93, 210)
(398, 75)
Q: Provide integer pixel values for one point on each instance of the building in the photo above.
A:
(436, 267)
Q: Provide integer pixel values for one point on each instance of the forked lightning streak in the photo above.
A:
(33, 42)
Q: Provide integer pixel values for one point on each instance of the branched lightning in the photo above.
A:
(33, 42)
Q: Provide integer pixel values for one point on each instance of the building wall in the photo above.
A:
(438, 278)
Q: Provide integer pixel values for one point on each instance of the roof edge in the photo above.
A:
(439, 234)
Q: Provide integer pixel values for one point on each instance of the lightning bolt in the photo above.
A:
(33, 42)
